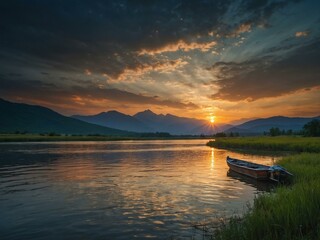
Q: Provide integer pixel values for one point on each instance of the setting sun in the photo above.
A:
(212, 119)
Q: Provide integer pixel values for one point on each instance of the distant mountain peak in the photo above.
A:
(276, 117)
(102, 114)
(147, 112)
(113, 111)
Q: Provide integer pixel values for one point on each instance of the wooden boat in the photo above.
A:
(258, 171)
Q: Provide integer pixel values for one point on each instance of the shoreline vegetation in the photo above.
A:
(280, 143)
(288, 212)
(60, 138)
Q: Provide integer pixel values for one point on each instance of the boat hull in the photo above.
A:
(259, 173)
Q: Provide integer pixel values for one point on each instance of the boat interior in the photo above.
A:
(247, 164)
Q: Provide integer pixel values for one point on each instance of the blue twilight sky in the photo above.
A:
(230, 59)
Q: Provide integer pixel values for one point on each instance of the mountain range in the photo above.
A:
(37, 119)
(261, 125)
(20, 117)
(148, 121)
(114, 119)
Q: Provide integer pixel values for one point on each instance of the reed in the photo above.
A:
(281, 143)
(289, 212)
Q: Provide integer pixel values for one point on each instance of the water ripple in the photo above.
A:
(116, 190)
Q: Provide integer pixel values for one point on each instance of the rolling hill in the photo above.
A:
(36, 119)
(258, 126)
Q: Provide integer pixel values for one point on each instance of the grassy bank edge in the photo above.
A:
(289, 212)
(283, 143)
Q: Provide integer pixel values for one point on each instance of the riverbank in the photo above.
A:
(290, 212)
(282, 143)
(61, 138)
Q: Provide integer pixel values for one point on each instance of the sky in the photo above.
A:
(238, 59)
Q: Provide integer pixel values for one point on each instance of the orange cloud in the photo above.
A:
(242, 28)
(245, 27)
(181, 45)
(162, 67)
(302, 34)
(87, 72)
(298, 103)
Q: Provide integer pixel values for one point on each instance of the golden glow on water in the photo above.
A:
(212, 159)
(155, 186)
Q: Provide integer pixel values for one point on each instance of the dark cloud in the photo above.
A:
(104, 36)
(258, 12)
(268, 77)
(47, 92)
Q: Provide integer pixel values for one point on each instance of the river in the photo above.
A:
(118, 190)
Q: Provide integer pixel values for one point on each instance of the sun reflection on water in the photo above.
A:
(212, 159)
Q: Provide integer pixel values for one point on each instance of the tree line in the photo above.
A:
(310, 129)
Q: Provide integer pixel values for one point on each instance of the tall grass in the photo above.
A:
(290, 212)
(282, 143)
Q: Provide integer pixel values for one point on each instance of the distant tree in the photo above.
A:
(312, 128)
(236, 134)
(289, 132)
(156, 134)
(274, 131)
(163, 134)
(220, 134)
(231, 134)
(52, 134)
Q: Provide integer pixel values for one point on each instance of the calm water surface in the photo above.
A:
(117, 190)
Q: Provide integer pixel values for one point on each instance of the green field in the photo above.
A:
(281, 143)
(289, 212)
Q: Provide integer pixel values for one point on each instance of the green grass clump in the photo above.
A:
(282, 143)
(290, 212)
